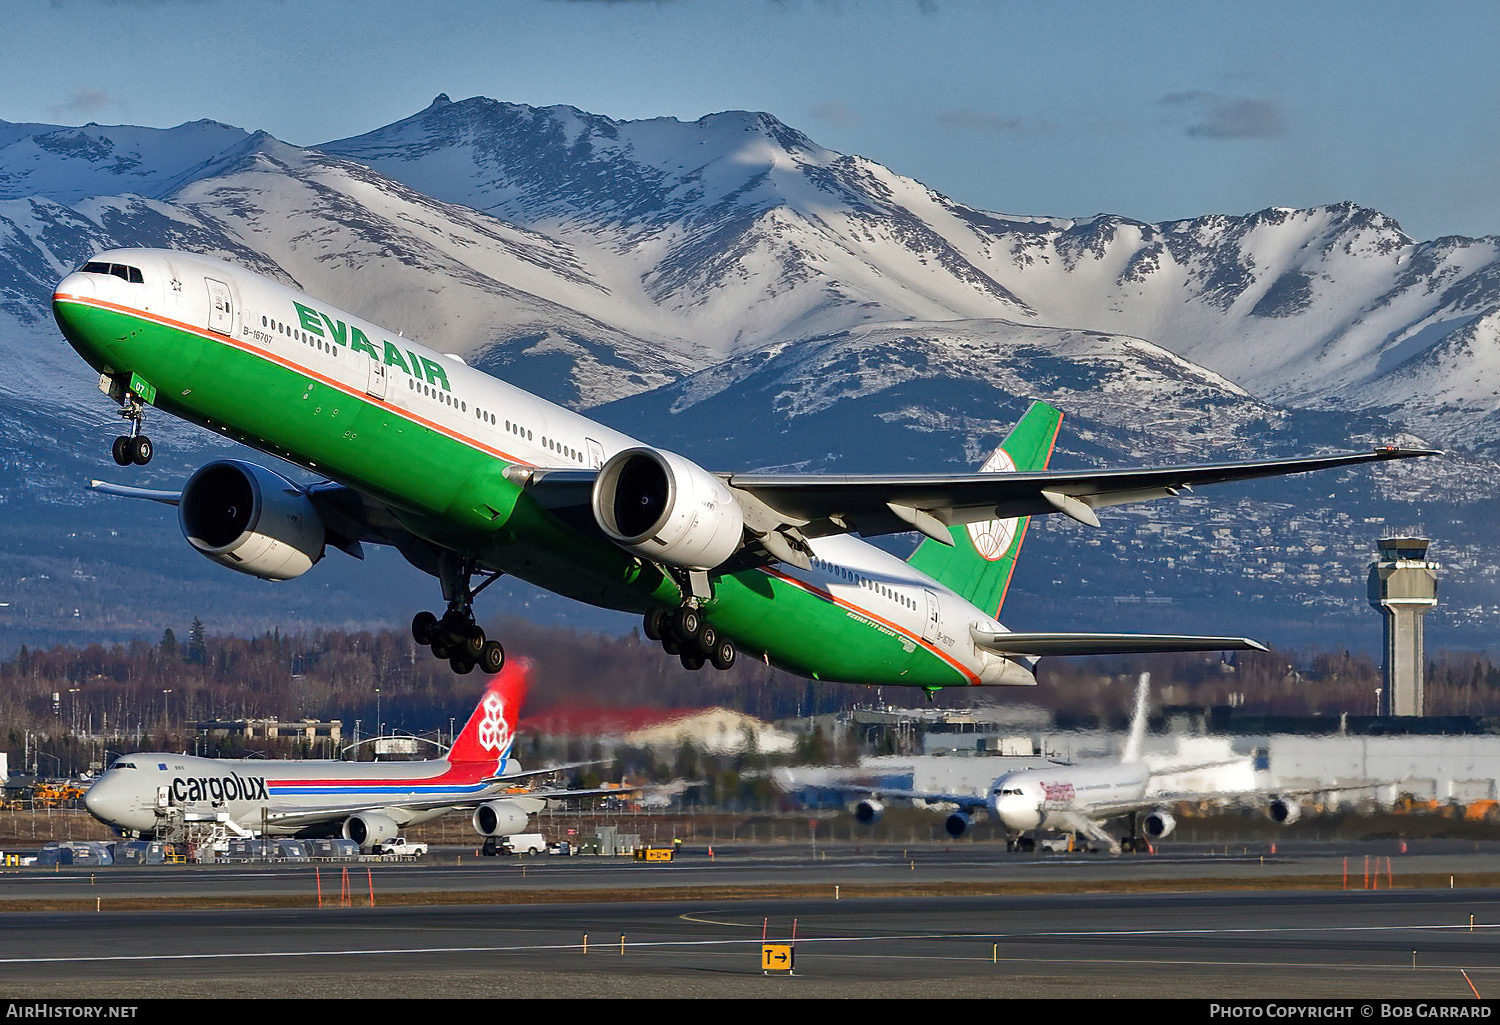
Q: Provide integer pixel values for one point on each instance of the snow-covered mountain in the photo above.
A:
(731, 289)
(736, 231)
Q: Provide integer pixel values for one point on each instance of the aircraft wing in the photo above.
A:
(613, 791)
(967, 801)
(873, 505)
(312, 816)
(1005, 643)
(350, 516)
(1109, 809)
(104, 487)
(805, 506)
(533, 773)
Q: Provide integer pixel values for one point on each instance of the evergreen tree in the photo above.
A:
(197, 649)
(168, 647)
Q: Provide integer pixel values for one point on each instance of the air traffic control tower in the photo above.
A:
(1403, 585)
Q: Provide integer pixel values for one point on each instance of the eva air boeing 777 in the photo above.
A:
(469, 478)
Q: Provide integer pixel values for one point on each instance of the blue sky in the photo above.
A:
(1153, 110)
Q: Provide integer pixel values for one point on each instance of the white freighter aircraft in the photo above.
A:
(1083, 799)
(367, 802)
(470, 477)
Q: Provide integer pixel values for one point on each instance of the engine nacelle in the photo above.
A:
(665, 508)
(957, 824)
(251, 519)
(499, 818)
(1283, 811)
(1158, 823)
(868, 812)
(370, 828)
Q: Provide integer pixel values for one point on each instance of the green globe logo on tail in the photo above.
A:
(980, 571)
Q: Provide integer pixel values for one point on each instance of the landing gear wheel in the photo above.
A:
(460, 665)
(473, 643)
(671, 646)
(706, 641)
(423, 628)
(121, 450)
(723, 655)
(491, 657)
(691, 660)
(688, 622)
(655, 624)
(440, 650)
(141, 450)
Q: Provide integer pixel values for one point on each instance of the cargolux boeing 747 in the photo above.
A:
(470, 477)
(367, 802)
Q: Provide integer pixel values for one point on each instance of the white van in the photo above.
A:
(524, 843)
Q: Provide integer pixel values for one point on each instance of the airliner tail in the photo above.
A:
(979, 563)
(490, 733)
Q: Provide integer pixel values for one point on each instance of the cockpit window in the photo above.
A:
(123, 765)
(119, 270)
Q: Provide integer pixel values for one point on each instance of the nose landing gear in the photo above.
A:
(134, 447)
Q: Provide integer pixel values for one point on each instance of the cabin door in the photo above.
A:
(375, 382)
(930, 624)
(220, 307)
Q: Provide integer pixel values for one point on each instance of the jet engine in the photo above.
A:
(250, 519)
(957, 824)
(1283, 811)
(1158, 823)
(665, 508)
(370, 828)
(499, 818)
(868, 812)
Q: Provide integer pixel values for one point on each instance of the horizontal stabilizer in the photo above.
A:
(1038, 644)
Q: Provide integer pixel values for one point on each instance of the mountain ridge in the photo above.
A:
(729, 288)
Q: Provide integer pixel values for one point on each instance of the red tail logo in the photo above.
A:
(491, 730)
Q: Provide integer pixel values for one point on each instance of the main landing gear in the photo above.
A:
(456, 637)
(460, 640)
(134, 447)
(687, 634)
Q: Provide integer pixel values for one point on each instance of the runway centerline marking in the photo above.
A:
(806, 940)
(709, 921)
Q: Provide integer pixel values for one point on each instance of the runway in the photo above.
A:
(1319, 942)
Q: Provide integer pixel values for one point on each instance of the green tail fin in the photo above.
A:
(979, 565)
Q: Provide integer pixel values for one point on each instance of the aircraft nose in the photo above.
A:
(96, 800)
(75, 284)
(1017, 811)
(69, 307)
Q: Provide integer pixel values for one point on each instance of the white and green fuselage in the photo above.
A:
(430, 439)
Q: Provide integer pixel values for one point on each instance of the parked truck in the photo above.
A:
(402, 847)
(516, 843)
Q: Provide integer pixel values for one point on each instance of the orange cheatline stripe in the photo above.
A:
(829, 596)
